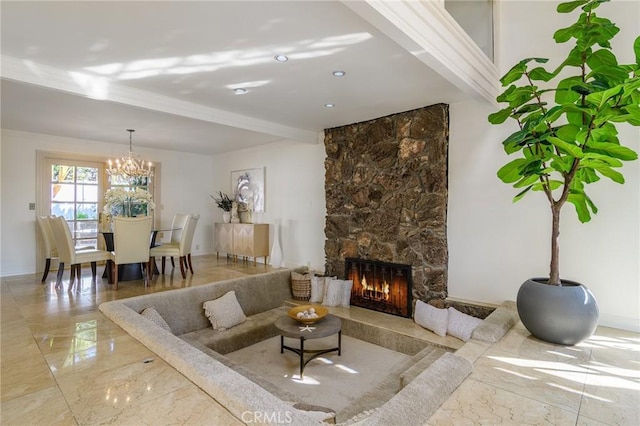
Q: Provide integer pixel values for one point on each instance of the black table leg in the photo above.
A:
(301, 356)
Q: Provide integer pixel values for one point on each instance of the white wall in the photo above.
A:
(185, 184)
(294, 195)
(495, 245)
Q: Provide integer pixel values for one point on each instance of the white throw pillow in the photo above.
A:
(317, 289)
(431, 318)
(225, 311)
(461, 325)
(154, 316)
(338, 293)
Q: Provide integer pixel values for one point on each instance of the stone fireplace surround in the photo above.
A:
(386, 195)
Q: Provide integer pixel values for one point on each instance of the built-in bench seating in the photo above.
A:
(197, 351)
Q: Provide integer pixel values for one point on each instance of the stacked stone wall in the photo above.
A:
(386, 195)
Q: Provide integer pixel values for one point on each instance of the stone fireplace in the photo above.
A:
(386, 196)
(381, 286)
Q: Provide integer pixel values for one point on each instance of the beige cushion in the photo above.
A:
(154, 316)
(461, 325)
(317, 289)
(431, 318)
(338, 293)
(225, 311)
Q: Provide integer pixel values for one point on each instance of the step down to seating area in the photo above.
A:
(423, 360)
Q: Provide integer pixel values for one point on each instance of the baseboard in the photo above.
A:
(623, 323)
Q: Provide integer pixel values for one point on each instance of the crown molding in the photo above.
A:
(427, 31)
(104, 89)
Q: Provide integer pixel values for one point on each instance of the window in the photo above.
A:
(134, 208)
(74, 193)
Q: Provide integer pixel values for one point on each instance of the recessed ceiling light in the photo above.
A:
(339, 73)
(239, 91)
(329, 105)
(281, 58)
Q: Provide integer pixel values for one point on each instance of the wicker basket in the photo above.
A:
(301, 286)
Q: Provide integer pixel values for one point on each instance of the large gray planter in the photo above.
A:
(565, 314)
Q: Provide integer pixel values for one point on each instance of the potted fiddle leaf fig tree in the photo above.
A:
(566, 140)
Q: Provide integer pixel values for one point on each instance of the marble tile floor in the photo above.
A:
(63, 362)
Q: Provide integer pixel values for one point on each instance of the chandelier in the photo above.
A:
(129, 166)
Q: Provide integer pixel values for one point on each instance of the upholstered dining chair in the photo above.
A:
(191, 230)
(180, 250)
(131, 241)
(50, 246)
(179, 224)
(68, 254)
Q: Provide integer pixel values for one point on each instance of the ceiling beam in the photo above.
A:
(101, 88)
(427, 31)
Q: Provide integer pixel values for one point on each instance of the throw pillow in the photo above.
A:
(225, 311)
(431, 318)
(461, 325)
(317, 289)
(154, 316)
(338, 293)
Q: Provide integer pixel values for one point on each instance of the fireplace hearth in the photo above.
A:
(380, 286)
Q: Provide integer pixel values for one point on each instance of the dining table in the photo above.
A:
(130, 271)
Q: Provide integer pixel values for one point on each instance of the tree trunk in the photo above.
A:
(554, 273)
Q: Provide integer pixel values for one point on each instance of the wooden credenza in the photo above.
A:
(242, 239)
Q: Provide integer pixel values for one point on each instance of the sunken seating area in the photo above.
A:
(197, 351)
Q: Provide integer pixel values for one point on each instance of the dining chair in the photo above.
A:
(189, 239)
(50, 246)
(131, 241)
(68, 254)
(181, 250)
(178, 226)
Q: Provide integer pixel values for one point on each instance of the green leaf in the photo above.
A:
(564, 34)
(513, 74)
(526, 181)
(636, 49)
(580, 203)
(518, 69)
(500, 116)
(540, 74)
(599, 98)
(570, 6)
(609, 161)
(610, 173)
(516, 137)
(566, 147)
(510, 172)
(601, 58)
(554, 184)
(615, 150)
(562, 164)
(567, 132)
(521, 194)
(565, 93)
(503, 97)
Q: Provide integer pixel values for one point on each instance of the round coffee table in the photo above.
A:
(327, 326)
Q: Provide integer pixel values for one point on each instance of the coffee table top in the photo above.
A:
(327, 326)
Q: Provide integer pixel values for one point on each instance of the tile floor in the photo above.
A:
(63, 362)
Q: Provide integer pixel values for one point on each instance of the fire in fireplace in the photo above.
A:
(381, 286)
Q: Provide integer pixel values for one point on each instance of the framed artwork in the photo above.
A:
(247, 187)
